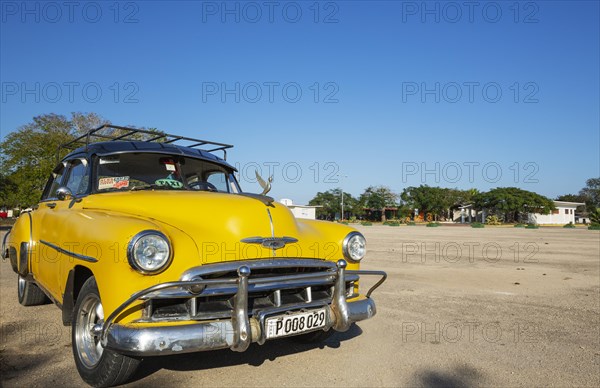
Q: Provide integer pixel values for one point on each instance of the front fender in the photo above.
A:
(104, 237)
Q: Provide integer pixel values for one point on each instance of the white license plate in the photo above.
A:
(295, 323)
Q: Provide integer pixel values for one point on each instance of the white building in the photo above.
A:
(564, 213)
(301, 211)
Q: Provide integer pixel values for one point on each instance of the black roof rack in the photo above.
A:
(133, 134)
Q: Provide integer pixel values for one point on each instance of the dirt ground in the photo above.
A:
(462, 307)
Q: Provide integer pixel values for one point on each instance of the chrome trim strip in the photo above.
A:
(271, 222)
(232, 266)
(89, 259)
(184, 292)
(274, 253)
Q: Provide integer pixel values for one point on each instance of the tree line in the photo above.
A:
(509, 204)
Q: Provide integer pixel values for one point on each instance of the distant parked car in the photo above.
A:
(151, 248)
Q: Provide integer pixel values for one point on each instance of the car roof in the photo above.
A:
(116, 147)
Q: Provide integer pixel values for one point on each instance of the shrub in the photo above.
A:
(595, 216)
(433, 224)
(493, 220)
(532, 226)
(393, 223)
(594, 227)
(520, 225)
(411, 223)
(477, 225)
(353, 220)
(569, 225)
(366, 223)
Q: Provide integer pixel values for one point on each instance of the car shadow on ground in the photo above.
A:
(460, 376)
(256, 355)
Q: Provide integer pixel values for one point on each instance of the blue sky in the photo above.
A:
(451, 94)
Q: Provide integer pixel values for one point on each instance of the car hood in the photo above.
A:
(218, 222)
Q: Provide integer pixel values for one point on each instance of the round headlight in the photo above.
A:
(149, 252)
(354, 246)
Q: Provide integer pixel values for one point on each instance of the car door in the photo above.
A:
(54, 239)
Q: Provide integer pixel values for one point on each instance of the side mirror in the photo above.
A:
(63, 193)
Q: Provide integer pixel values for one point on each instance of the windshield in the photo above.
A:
(140, 171)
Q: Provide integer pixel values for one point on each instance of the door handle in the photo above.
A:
(51, 205)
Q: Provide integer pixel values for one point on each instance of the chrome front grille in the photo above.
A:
(273, 284)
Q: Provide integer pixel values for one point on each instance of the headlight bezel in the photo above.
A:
(346, 244)
(133, 262)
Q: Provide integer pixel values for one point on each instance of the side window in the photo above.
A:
(219, 180)
(78, 177)
(54, 182)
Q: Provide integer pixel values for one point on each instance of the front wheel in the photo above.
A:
(97, 366)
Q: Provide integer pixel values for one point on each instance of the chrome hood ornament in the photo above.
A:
(270, 242)
(266, 186)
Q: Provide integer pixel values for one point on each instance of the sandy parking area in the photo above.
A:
(462, 307)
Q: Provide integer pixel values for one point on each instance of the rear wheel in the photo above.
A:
(97, 366)
(29, 293)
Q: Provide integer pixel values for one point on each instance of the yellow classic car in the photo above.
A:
(150, 247)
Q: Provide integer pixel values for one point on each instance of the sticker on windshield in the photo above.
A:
(109, 160)
(170, 167)
(113, 183)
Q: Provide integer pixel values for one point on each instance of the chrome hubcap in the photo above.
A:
(90, 315)
(21, 285)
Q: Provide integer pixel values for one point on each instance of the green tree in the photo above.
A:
(595, 216)
(512, 202)
(30, 153)
(591, 193)
(331, 202)
(436, 201)
(379, 198)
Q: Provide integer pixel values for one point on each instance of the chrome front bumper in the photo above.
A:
(241, 330)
